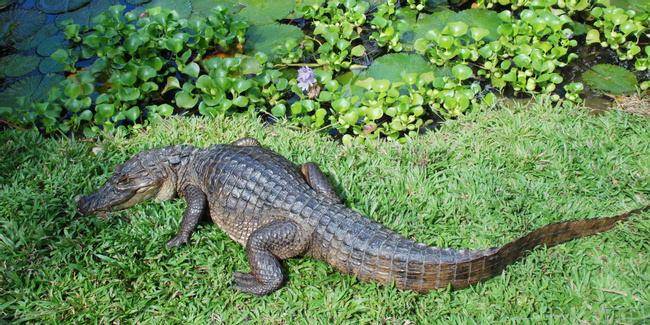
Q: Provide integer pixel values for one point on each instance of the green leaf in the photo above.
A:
(240, 101)
(133, 113)
(172, 83)
(610, 78)
(174, 44)
(186, 100)
(105, 110)
(593, 36)
(241, 85)
(128, 94)
(192, 69)
(164, 109)
(461, 71)
(457, 29)
(132, 43)
(60, 56)
(72, 90)
(279, 110)
(358, 50)
(146, 72)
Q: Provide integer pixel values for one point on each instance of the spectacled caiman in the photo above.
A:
(276, 210)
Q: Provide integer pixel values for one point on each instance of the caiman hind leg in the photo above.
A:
(319, 182)
(196, 202)
(265, 248)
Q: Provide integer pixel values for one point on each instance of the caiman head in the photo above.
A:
(147, 175)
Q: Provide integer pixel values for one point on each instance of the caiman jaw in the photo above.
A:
(130, 184)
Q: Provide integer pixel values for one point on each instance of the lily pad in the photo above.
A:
(85, 14)
(263, 12)
(137, 2)
(51, 44)
(610, 78)
(34, 40)
(393, 66)
(18, 24)
(419, 25)
(182, 7)
(60, 6)
(5, 3)
(18, 65)
(33, 87)
(487, 19)
(202, 8)
(264, 38)
(48, 65)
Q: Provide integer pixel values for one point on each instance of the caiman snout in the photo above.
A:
(84, 206)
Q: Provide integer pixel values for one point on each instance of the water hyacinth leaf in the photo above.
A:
(146, 72)
(358, 50)
(265, 38)
(279, 110)
(241, 85)
(192, 69)
(105, 110)
(478, 33)
(610, 78)
(17, 65)
(17, 25)
(240, 101)
(264, 12)
(59, 6)
(457, 28)
(128, 79)
(129, 94)
(84, 15)
(163, 109)
(132, 113)
(461, 71)
(186, 100)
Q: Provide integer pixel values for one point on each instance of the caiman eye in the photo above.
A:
(122, 181)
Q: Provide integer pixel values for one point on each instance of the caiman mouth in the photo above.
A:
(95, 204)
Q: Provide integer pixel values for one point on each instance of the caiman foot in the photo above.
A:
(177, 241)
(246, 282)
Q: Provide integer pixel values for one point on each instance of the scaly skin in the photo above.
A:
(277, 211)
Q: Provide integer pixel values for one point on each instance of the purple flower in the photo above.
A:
(306, 78)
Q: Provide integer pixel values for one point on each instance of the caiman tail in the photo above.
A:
(360, 246)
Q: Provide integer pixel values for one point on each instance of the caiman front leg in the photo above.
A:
(265, 248)
(196, 201)
(318, 181)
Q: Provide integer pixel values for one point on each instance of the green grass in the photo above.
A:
(481, 181)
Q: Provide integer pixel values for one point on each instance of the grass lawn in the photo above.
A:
(481, 181)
